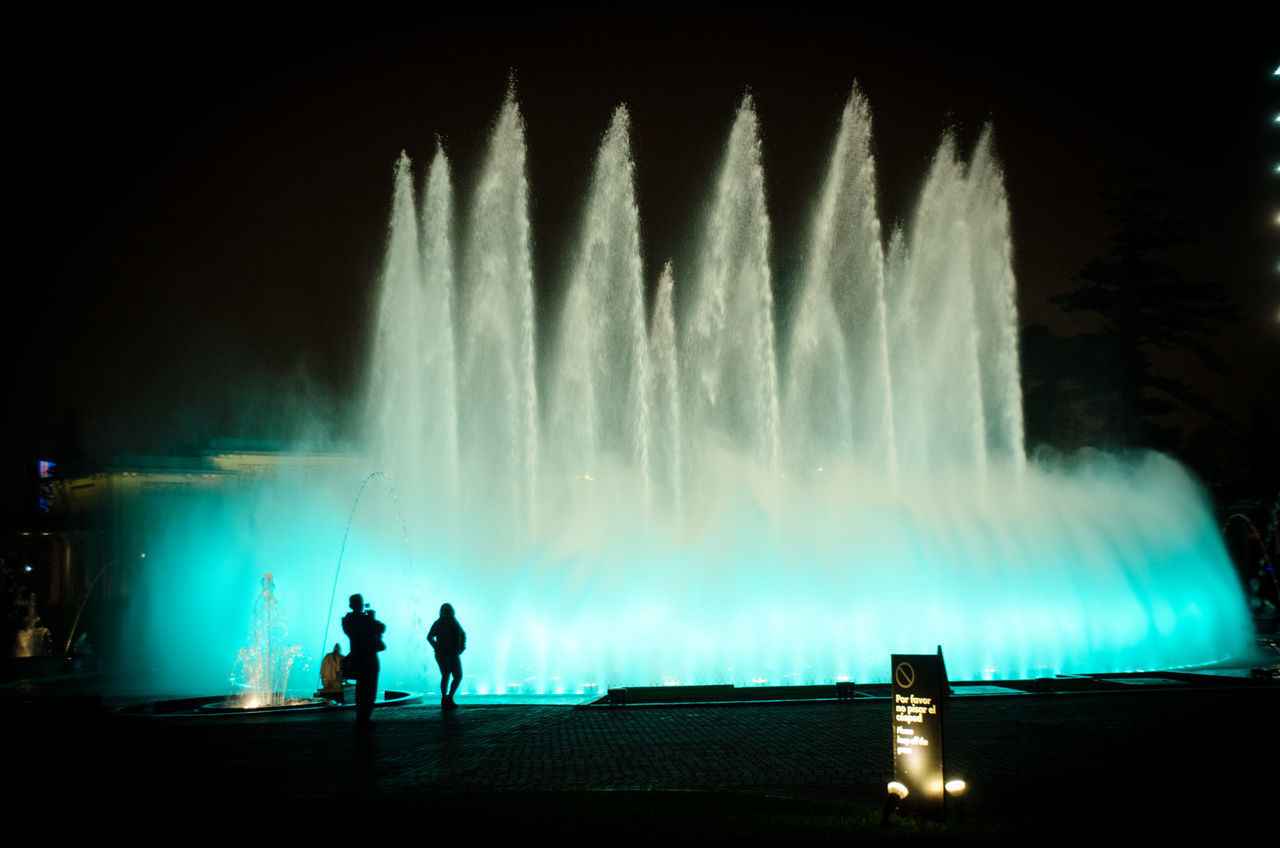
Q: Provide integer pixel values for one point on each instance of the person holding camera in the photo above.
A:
(365, 632)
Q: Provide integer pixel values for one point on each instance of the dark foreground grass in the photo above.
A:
(658, 817)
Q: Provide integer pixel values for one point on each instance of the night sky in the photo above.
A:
(200, 221)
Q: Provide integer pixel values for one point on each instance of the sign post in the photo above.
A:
(919, 689)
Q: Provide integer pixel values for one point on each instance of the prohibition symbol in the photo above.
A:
(904, 675)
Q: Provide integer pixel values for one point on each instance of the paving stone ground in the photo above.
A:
(1166, 755)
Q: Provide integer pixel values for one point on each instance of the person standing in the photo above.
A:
(449, 641)
(365, 632)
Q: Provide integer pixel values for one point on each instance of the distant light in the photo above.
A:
(896, 788)
(26, 568)
(1277, 72)
(955, 786)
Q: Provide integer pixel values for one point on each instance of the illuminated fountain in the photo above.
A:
(262, 672)
(263, 665)
(33, 639)
(686, 492)
(658, 504)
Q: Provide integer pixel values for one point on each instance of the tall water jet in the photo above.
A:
(399, 399)
(439, 378)
(936, 370)
(666, 451)
(995, 303)
(838, 398)
(599, 404)
(499, 409)
(731, 382)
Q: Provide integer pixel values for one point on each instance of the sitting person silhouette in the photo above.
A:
(331, 670)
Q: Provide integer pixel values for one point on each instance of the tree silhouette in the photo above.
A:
(1146, 305)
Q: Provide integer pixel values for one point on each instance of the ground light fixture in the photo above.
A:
(896, 792)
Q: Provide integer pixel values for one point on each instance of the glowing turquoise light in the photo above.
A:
(643, 508)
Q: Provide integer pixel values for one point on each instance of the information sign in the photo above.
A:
(919, 689)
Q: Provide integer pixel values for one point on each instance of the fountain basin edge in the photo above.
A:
(219, 705)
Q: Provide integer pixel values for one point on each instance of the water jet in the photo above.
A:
(264, 664)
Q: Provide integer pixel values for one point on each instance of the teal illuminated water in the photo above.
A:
(686, 491)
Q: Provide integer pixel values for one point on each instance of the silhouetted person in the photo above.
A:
(332, 671)
(365, 632)
(449, 641)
